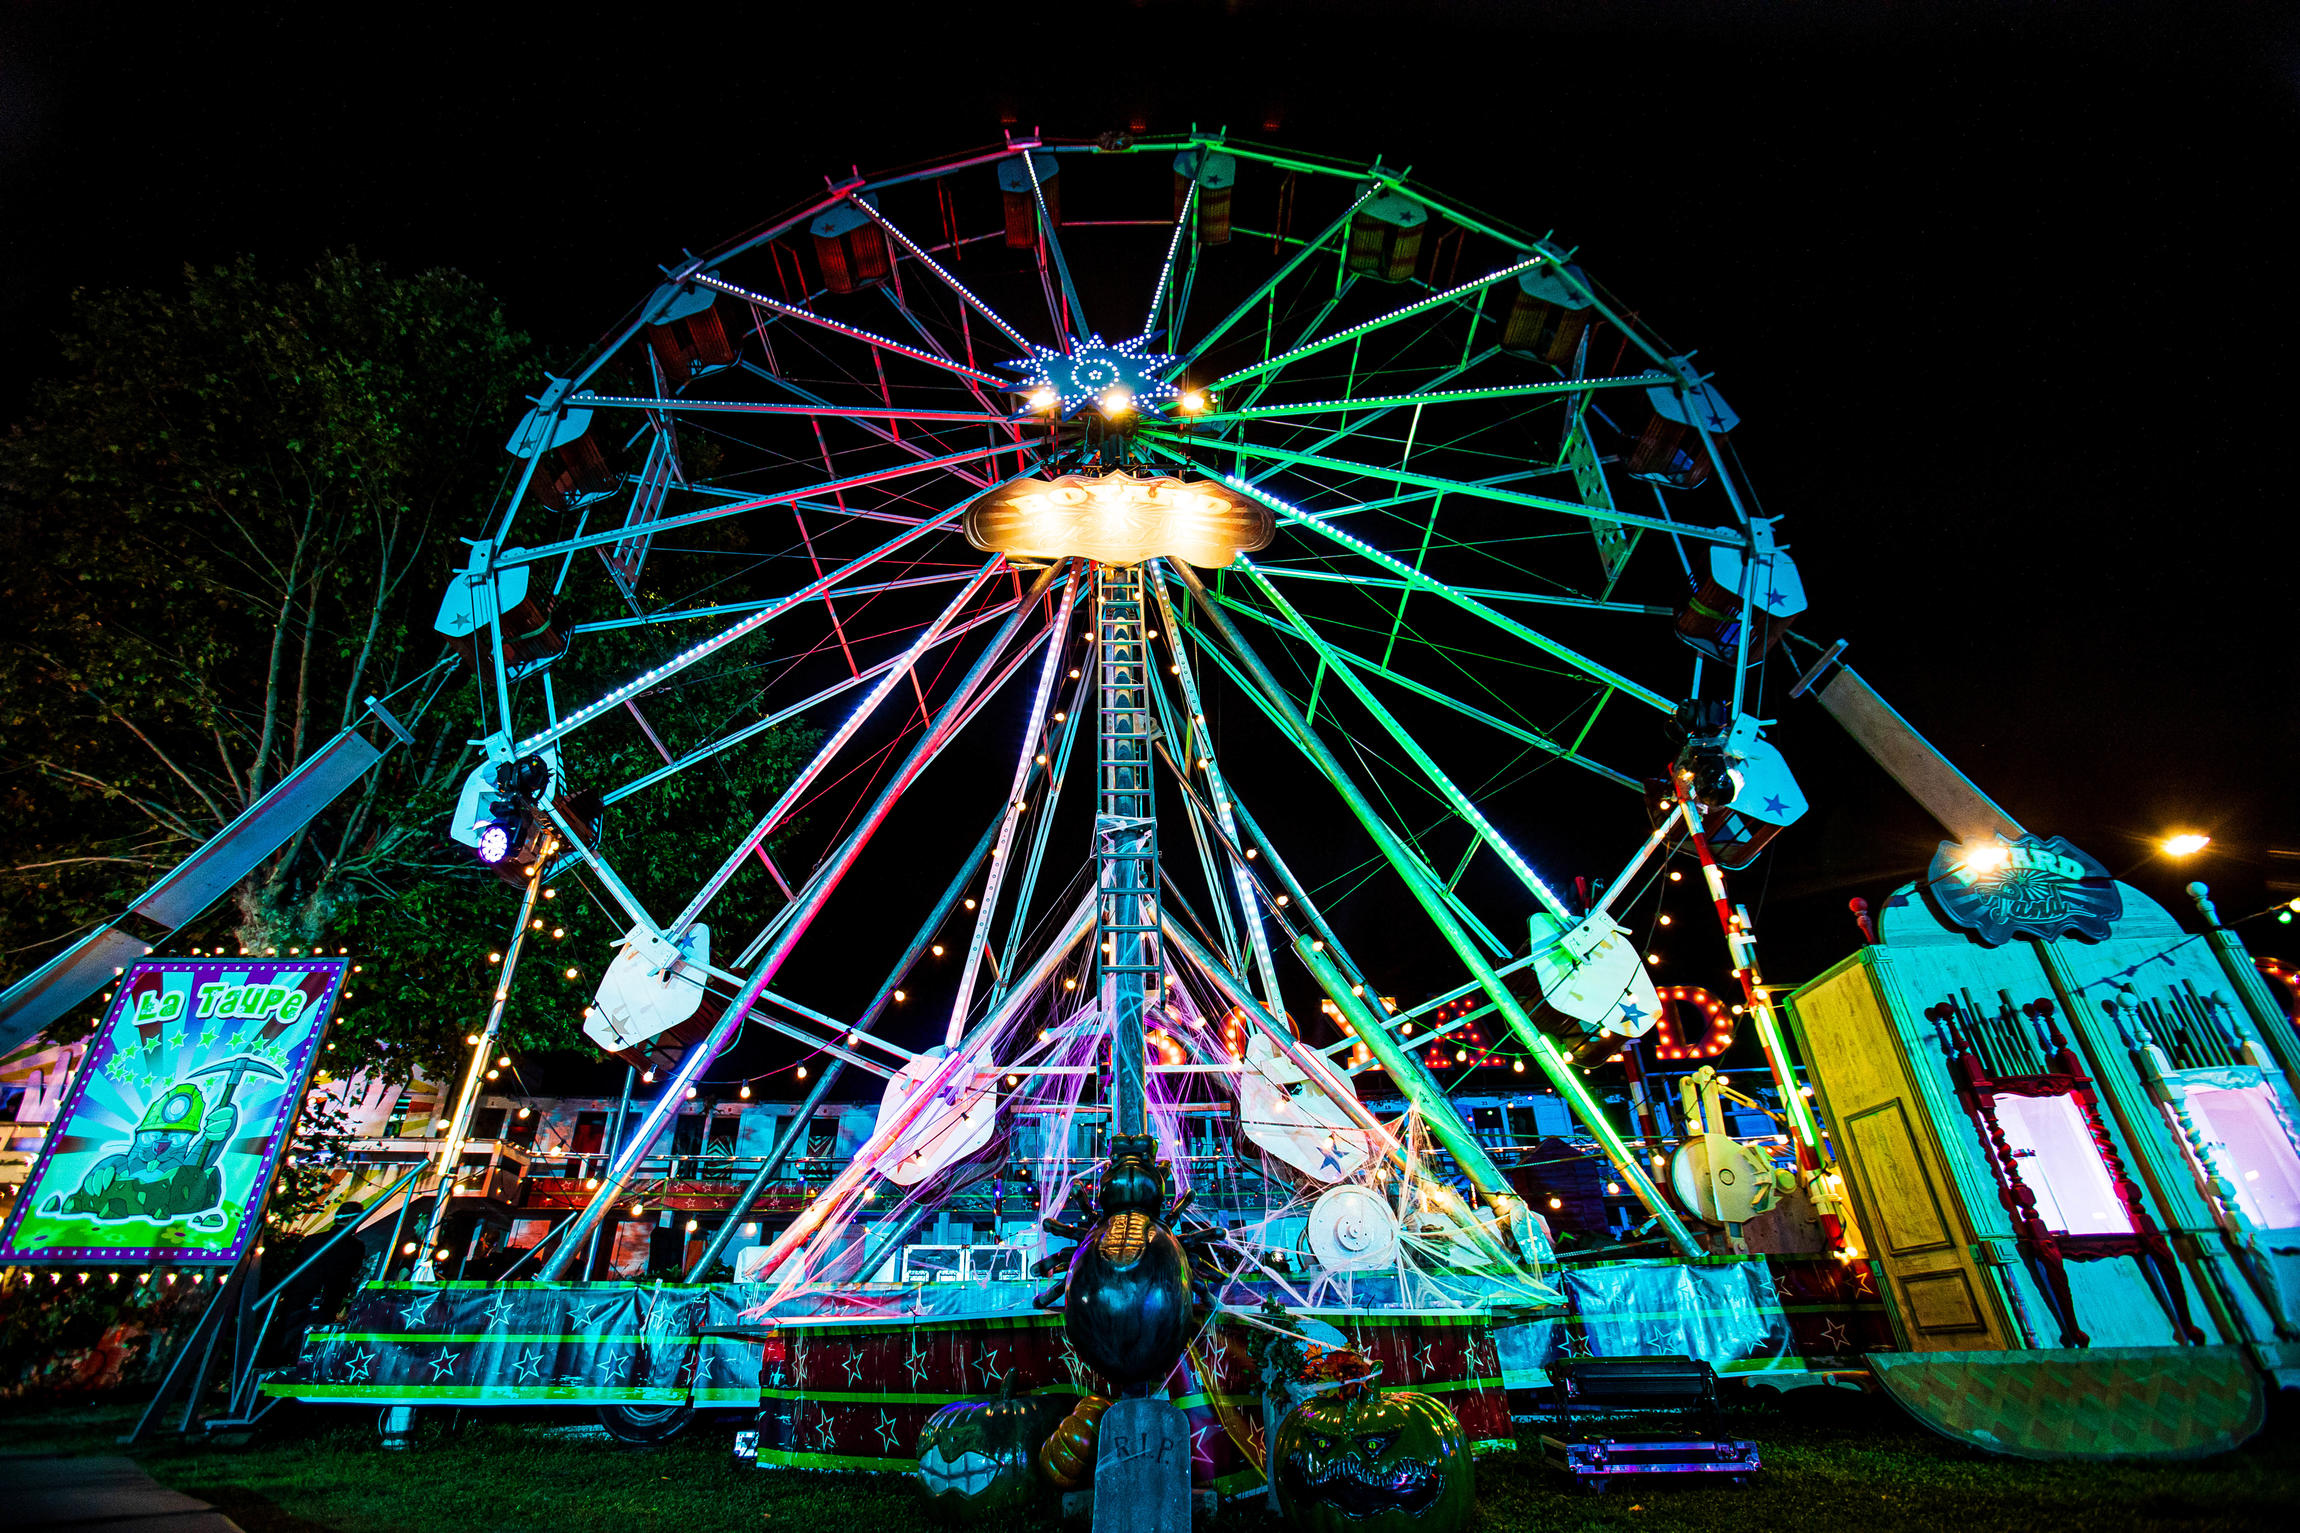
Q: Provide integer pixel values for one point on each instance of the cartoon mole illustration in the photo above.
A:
(169, 1169)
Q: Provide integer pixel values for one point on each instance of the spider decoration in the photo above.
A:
(1125, 1295)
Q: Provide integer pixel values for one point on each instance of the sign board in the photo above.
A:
(172, 1131)
(2035, 886)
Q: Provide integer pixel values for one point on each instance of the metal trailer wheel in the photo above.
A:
(646, 1423)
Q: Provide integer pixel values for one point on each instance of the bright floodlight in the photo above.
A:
(494, 842)
(1984, 858)
(1119, 519)
(1193, 403)
(1044, 399)
(2187, 844)
(1116, 402)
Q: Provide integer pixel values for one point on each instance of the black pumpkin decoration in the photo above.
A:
(1393, 1463)
(1126, 1300)
(977, 1459)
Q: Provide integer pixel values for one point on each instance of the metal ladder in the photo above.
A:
(1125, 834)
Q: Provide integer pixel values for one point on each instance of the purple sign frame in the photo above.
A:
(167, 1144)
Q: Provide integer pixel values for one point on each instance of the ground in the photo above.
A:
(1841, 1462)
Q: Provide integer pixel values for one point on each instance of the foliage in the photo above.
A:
(224, 527)
(309, 1171)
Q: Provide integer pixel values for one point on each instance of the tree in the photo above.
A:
(221, 529)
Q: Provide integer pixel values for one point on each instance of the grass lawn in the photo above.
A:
(1838, 1462)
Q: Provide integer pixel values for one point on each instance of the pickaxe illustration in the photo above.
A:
(240, 1067)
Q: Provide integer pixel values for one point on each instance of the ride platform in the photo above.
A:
(2128, 1403)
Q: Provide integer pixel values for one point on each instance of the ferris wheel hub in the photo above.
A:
(1096, 373)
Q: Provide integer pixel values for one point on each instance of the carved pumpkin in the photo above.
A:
(1394, 1463)
(975, 1457)
(1067, 1460)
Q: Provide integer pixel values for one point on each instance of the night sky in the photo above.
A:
(1996, 289)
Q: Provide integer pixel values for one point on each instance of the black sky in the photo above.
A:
(2003, 293)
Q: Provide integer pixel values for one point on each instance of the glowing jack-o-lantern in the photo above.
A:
(1119, 519)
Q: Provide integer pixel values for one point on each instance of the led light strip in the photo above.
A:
(1353, 332)
(746, 407)
(1422, 582)
(1432, 396)
(852, 332)
(949, 281)
(725, 637)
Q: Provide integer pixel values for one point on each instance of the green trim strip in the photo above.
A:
(860, 1397)
(783, 1458)
(503, 1394)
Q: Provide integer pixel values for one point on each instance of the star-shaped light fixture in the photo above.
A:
(1116, 379)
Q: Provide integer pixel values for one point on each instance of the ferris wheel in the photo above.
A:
(1169, 477)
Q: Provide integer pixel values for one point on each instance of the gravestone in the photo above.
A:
(1142, 1468)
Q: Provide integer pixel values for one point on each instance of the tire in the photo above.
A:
(646, 1423)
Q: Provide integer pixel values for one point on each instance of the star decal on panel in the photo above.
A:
(914, 1363)
(1073, 1364)
(443, 1365)
(992, 1377)
(417, 1311)
(1094, 368)
(852, 1364)
(702, 1374)
(528, 1367)
(356, 1366)
(1865, 1282)
(826, 1439)
(1781, 1287)
(583, 1317)
(498, 1311)
(1833, 1333)
(1632, 1013)
(886, 1434)
(1425, 1361)
(618, 1367)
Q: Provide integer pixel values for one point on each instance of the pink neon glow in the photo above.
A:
(2250, 1148)
(2054, 1156)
